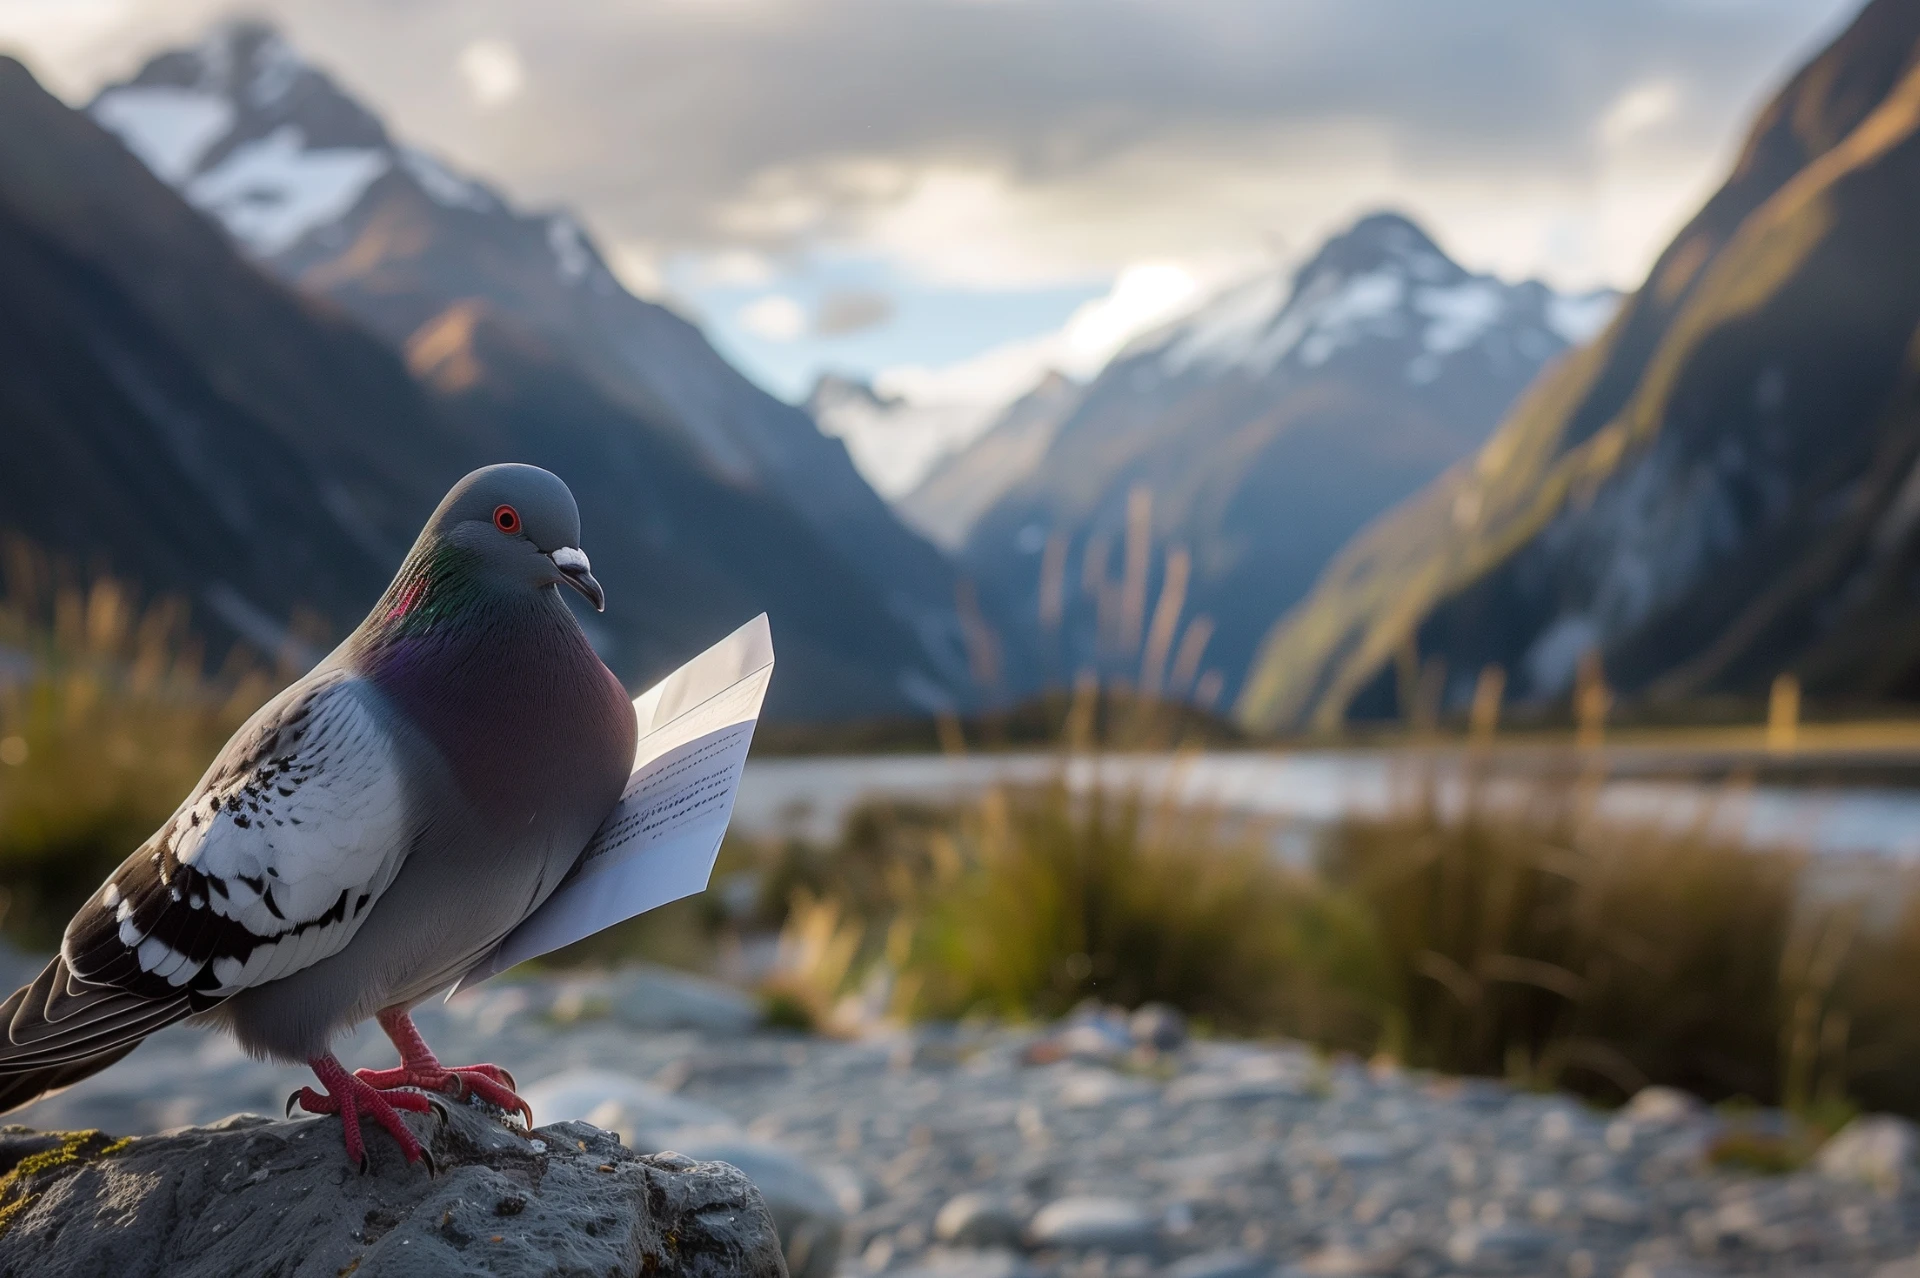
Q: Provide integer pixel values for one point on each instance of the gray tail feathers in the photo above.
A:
(20, 1089)
(61, 1029)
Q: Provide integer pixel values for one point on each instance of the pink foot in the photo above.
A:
(420, 1068)
(353, 1099)
(489, 1082)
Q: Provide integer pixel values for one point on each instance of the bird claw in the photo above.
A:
(293, 1098)
(490, 1083)
(353, 1098)
(433, 1166)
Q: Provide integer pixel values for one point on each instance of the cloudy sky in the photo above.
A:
(952, 193)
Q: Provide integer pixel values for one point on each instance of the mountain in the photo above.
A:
(964, 484)
(1250, 439)
(170, 411)
(311, 184)
(692, 550)
(893, 440)
(1721, 488)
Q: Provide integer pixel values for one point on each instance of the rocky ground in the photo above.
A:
(1100, 1148)
(251, 1196)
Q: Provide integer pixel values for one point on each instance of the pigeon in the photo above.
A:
(368, 835)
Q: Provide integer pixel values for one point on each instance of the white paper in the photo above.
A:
(660, 841)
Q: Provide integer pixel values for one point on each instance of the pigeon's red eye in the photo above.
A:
(506, 519)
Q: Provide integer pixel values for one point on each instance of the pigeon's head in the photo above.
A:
(522, 527)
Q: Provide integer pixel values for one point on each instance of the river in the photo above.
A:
(1301, 791)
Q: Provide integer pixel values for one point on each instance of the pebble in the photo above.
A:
(1093, 1224)
(1877, 1150)
(932, 1152)
(1226, 1263)
(1158, 1027)
(978, 1220)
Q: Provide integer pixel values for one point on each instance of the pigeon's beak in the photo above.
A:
(578, 573)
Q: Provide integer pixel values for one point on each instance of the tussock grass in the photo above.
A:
(1530, 936)
(1047, 897)
(1515, 930)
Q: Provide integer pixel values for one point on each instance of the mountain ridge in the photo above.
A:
(1262, 428)
(181, 418)
(1694, 497)
(312, 184)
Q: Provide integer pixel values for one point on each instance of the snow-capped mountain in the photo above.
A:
(173, 414)
(1382, 292)
(1722, 487)
(312, 185)
(1257, 434)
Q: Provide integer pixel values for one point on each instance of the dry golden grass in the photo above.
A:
(107, 718)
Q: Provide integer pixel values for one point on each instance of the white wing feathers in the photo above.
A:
(271, 864)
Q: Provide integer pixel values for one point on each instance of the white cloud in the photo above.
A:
(1534, 139)
(776, 317)
(983, 382)
(736, 268)
(492, 71)
(946, 406)
(636, 265)
(61, 40)
(1641, 108)
(1143, 297)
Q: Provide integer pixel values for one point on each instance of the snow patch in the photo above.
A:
(569, 247)
(1366, 303)
(169, 128)
(1580, 318)
(1225, 331)
(1459, 315)
(271, 191)
(1256, 326)
(443, 185)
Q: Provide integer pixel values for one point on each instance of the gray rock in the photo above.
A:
(649, 997)
(978, 1220)
(249, 1195)
(993, 1262)
(1093, 1224)
(1221, 1264)
(639, 1112)
(1356, 1149)
(1612, 1207)
(1499, 1248)
(658, 998)
(806, 1210)
(1877, 1149)
(1343, 1261)
(1091, 1087)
